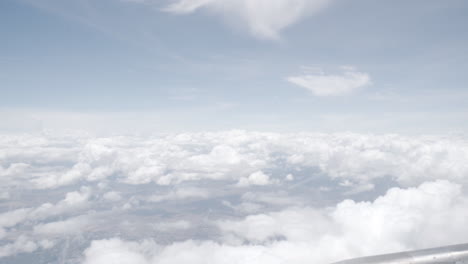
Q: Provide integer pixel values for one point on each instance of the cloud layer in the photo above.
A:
(228, 197)
(263, 18)
(43, 162)
(401, 219)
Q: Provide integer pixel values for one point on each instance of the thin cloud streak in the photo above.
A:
(264, 19)
(321, 84)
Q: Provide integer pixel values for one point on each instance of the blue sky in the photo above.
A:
(216, 65)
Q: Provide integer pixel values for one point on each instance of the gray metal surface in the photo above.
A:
(456, 254)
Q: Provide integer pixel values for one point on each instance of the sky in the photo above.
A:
(231, 131)
(286, 66)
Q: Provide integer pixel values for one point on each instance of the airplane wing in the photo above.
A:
(456, 254)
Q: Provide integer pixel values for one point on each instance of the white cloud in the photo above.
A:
(13, 169)
(12, 218)
(297, 224)
(402, 219)
(22, 244)
(76, 198)
(231, 156)
(194, 195)
(256, 178)
(321, 84)
(180, 194)
(72, 226)
(116, 251)
(263, 18)
(72, 202)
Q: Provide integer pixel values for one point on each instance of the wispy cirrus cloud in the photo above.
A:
(322, 84)
(263, 18)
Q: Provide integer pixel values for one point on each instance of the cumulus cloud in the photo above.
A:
(73, 201)
(321, 84)
(256, 178)
(180, 194)
(256, 197)
(232, 156)
(263, 18)
(12, 218)
(117, 251)
(22, 244)
(395, 219)
(67, 227)
(401, 219)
